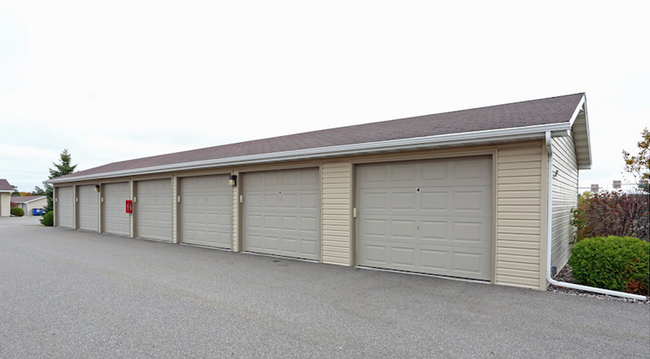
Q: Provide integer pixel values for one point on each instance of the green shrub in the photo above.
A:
(616, 263)
(48, 219)
(16, 211)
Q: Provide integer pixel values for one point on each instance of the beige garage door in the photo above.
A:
(206, 210)
(115, 219)
(87, 208)
(429, 216)
(153, 209)
(281, 213)
(65, 207)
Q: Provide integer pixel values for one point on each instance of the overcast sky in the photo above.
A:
(115, 80)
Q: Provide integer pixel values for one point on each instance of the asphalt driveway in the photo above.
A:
(74, 294)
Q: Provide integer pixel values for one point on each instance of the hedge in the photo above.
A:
(17, 211)
(48, 219)
(615, 263)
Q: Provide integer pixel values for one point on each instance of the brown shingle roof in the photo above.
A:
(520, 114)
(25, 199)
(5, 186)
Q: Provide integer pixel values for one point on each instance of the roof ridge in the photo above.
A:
(340, 128)
(545, 111)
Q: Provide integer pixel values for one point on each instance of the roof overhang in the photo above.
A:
(515, 134)
(580, 132)
(31, 200)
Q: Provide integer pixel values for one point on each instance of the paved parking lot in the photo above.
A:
(74, 294)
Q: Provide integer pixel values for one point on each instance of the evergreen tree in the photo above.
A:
(61, 169)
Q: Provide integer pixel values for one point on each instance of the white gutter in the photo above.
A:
(549, 239)
(426, 142)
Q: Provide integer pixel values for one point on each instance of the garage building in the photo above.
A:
(471, 194)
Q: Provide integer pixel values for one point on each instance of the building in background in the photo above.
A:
(5, 198)
(29, 203)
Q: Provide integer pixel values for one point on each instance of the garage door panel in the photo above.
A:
(115, 220)
(153, 209)
(290, 245)
(309, 179)
(270, 202)
(403, 174)
(435, 202)
(472, 172)
(435, 230)
(271, 223)
(65, 207)
(205, 210)
(429, 216)
(403, 201)
(290, 201)
(310, 247)
(373, 254)
(88, 208)
(434, 174)
(434, 260)
(290, 223)
(375, 227)
(280, 213)
(471, 232)
(403, 229)
(403, 257)
(476, 201)
(374, 200)
(309, 224)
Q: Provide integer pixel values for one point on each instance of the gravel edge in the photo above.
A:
(565, 276)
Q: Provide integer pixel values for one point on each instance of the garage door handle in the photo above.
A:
(354, 213)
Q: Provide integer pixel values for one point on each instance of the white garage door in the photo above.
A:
(281, 213)
(206, 210)
(65, 207)
(153, 209)
(429, 216)
(115, 219)
(87, 208)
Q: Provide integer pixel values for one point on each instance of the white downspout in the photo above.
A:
(549, 238)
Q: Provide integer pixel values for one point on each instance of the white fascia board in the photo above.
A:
(427, 142)
(587, 165)
(576, 112)
(6, 191)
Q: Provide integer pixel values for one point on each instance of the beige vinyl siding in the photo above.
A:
(99, 210)
(519, 215)
(131, 221)
(5, 204)
(336, 216)
(175, 209)
(235, 215)
(565, 197)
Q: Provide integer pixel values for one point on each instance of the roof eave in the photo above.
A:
(580, 127)
(428, 142)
